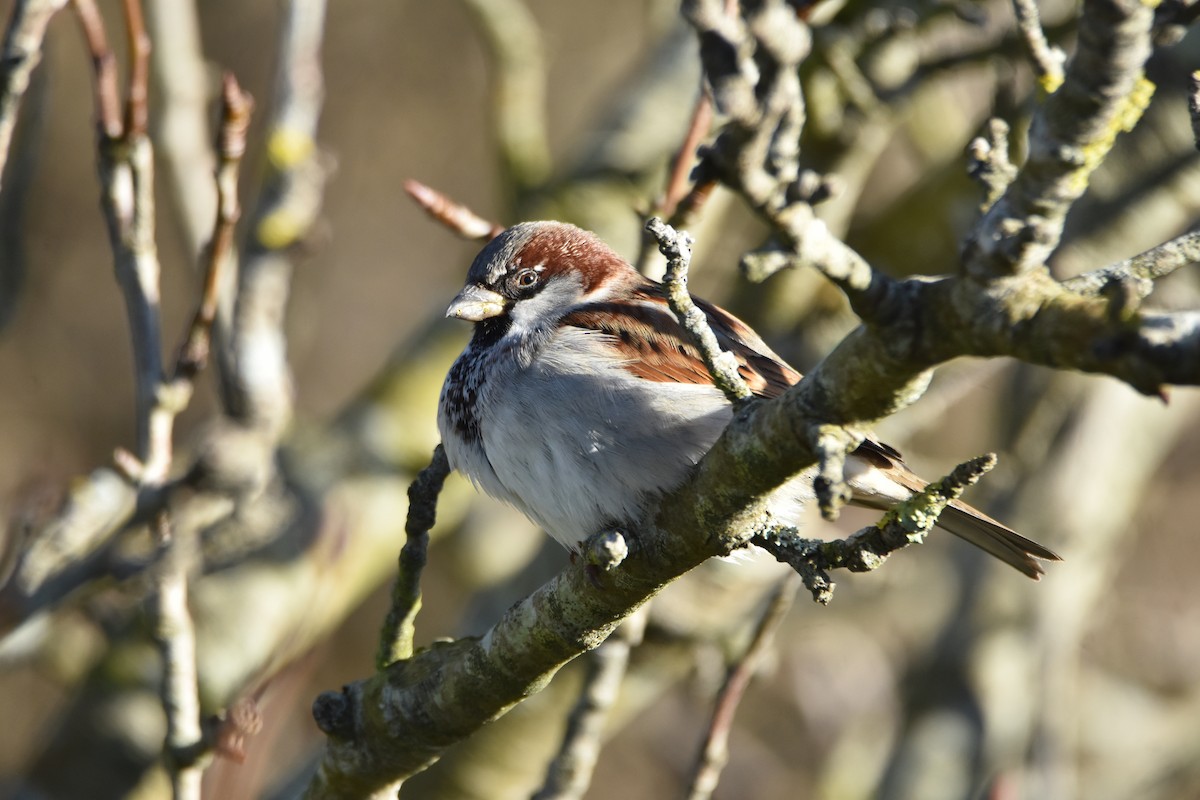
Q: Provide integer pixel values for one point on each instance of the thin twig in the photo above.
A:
(685, 159)
(570, 773)
(138, 96)
(865, 550)
(988, 161)
(455, 216)
(21, 54)
(104, 67)
(1142, 269)
(714, 752)
(396, 638)
(1047, 59)
(722, 366)
(176, 638)
(1194, 106)
(126, 168)
(174, 631)
(237, 107)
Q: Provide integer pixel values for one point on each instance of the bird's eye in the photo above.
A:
(525, 278)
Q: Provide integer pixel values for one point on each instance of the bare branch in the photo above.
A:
(455, 216)
(22, 51)
(518, 90)
(104, 67)
(126, 168)
(176, 639)
(396, 638)
(257, 380)
(1104, 93)
(237, 107)
(988, 161)
(714, 752)
(685, 160)
(138, 94)
(181, 78)
(1142, 269)
(570, 773)
(1047, 59)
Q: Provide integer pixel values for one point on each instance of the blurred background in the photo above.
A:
(940, 676)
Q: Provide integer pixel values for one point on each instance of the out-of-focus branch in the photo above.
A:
(183, 87)
(126, 168)
(714, 750)
(455, 216)
(174, 631)
(22, 51)
(988, 161)
(136, 115)
(1047, 59)
(1143, 269)
(518, 92)
(104, 65)
(257, 380)
(570, 772)
(175, 636)
(676, 192)
(1104, 93)
(396, 638)
(1194, 106)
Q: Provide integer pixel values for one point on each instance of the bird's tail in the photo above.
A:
(999, 540)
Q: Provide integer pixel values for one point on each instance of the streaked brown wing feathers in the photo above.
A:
(656, 348)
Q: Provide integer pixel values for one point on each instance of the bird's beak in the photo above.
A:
(476, 303)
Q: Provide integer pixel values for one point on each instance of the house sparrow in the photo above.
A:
(579, 399)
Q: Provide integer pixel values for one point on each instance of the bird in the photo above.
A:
(580, 400)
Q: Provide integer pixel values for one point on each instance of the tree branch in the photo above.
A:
(22, 51)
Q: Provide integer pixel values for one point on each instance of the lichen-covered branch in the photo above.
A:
(722, 366)
(866, 550)
(1103, 94)
(1047, 59)
(1143, 269)
(256, 378)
